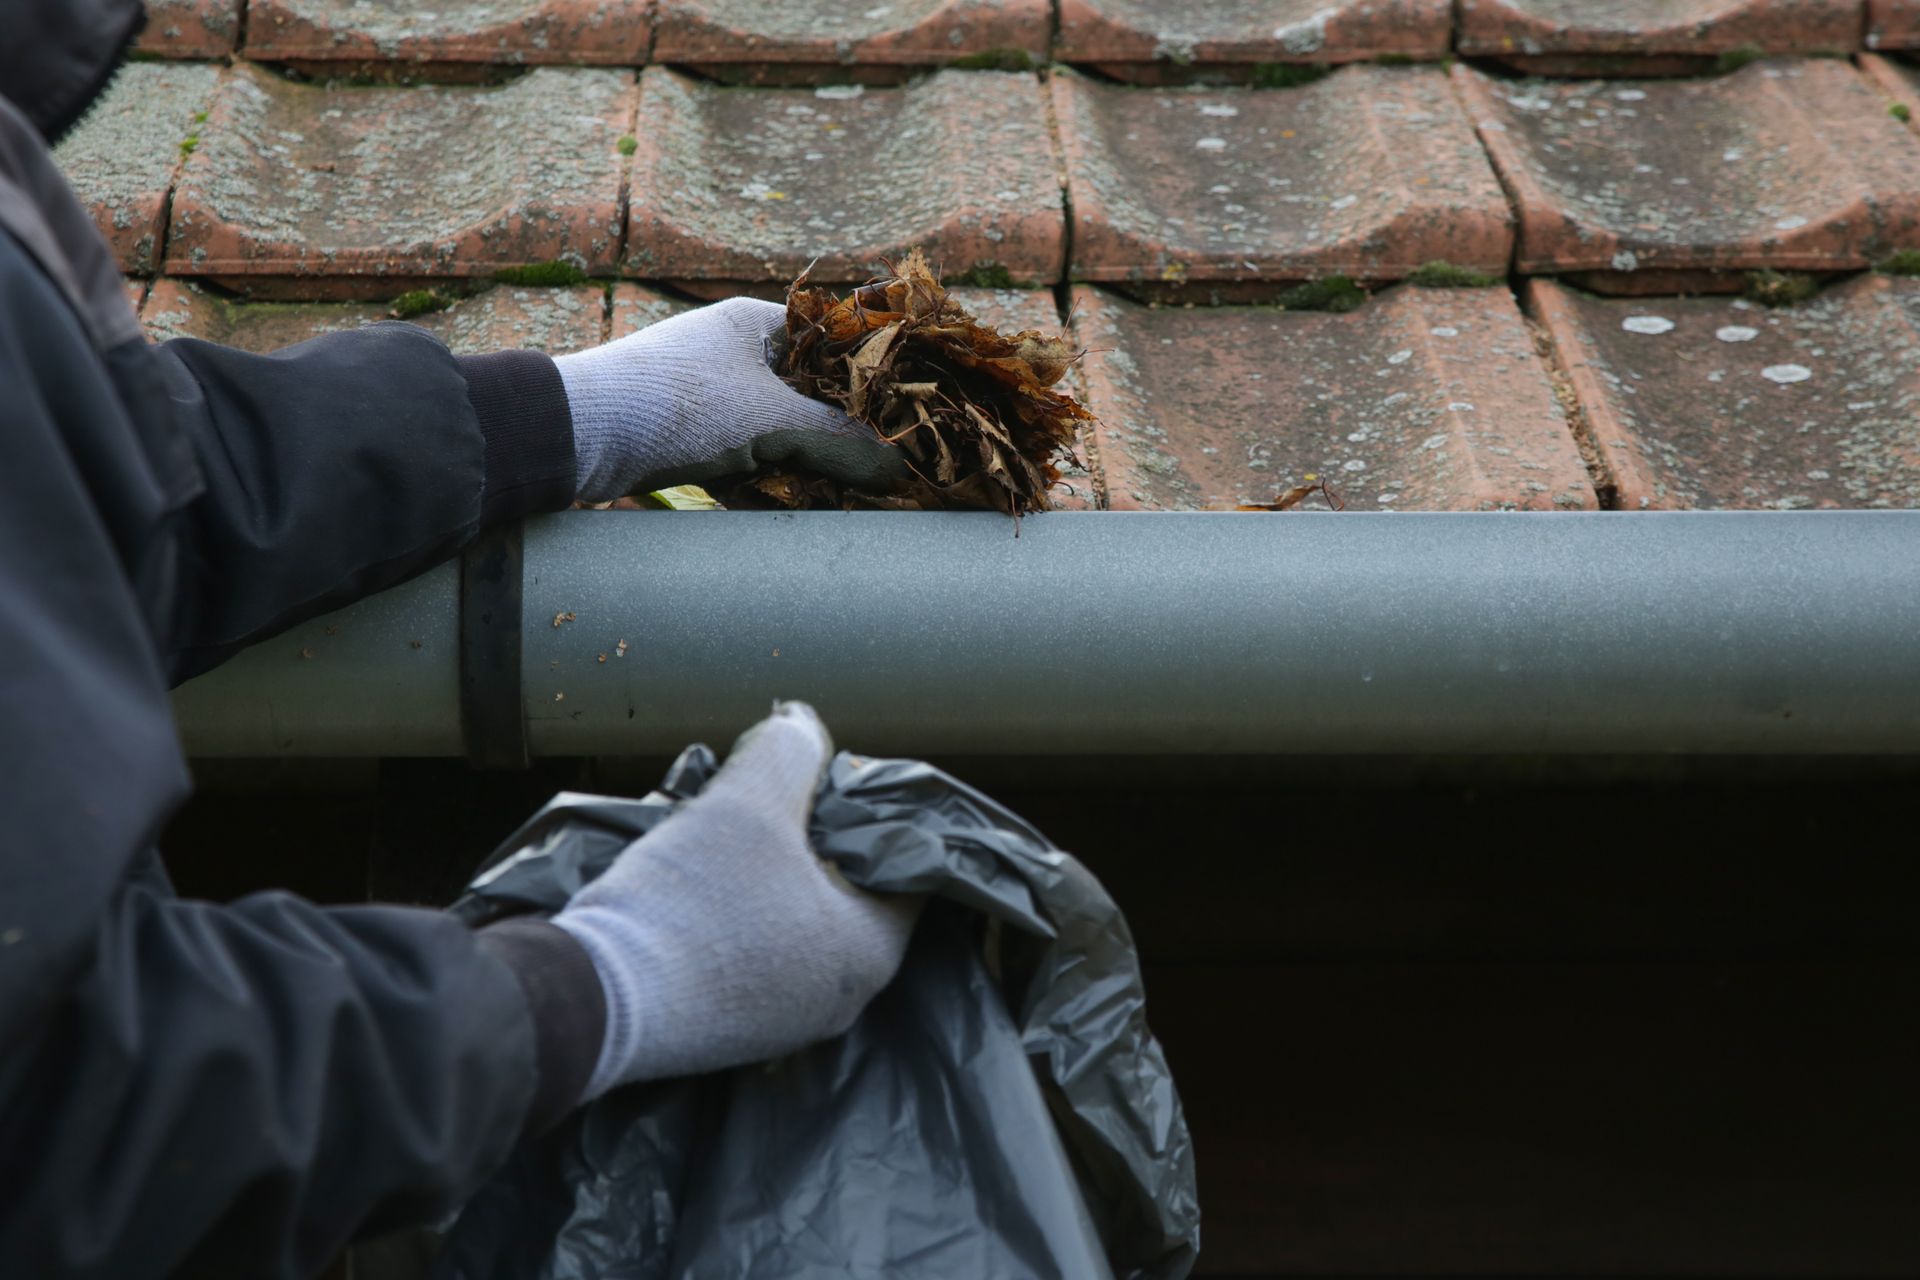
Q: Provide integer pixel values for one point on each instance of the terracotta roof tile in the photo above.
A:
(190, 28)
(1793, 165)
(505, 317)
(1893, 24)
(746, 184)
(635, 307)
(912, 32)
(595, 32)
(123, 155)
(300, 180)
(1423, 399)
(1715, 402)
(1898, 79)
(1369, 173)
(1696, 28)
(1251, 31)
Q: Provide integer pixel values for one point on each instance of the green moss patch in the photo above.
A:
(1444, 275)
(1902, 262)
(995, 60)
(1337, 294)
(1772, 288)
(550, 275)
(1286, 75)
(419, 302)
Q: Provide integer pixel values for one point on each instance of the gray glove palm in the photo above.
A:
(720, 938)
(695, 397)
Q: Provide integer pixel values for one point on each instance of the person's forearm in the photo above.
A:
(343, 465)
(248, 1087)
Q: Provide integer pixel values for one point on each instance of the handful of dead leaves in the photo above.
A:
(974, 411)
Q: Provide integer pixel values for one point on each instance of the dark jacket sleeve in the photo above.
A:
(343, 465)
(247, 1085)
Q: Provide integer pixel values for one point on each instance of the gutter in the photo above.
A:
(1110, 633)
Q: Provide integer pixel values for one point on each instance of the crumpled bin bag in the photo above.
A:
(1001, 1110)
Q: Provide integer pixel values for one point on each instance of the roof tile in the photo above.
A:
(595, 32)
(745, 184)
(1369, 173)
(190, 28)
(1696, 28)
(1893, 24)
(297, 180)
(911, 32)
(1719, 403)
(1898, 79)
(1423, 399)
(502, 318)
(1251, 31)
(1793, 165)
(122, 157)
(635, 307)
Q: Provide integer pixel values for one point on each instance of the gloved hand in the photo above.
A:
(695, 397)
(720, 938)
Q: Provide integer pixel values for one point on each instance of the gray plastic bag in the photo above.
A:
(1000, 1110)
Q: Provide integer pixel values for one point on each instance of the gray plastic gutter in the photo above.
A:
(1110, 633)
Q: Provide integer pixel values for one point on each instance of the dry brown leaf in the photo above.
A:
(975, 412)
(1298, 494)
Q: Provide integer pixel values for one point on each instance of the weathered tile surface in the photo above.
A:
(294, 179)
(1420, 400)
(1794, 165)
(1368, 173)
(635, 307)
(123, 156)
(1898, 79)
(594, 32)
(753, 184)
(1710, 402)
(1691, 27)
(190, 28)
(912, 32)
(1207, 31)
(502, 318)
(1893, 24)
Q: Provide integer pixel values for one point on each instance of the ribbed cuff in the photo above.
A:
(569, 1011)
(522, 407)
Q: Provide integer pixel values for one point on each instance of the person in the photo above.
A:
(245, 1087)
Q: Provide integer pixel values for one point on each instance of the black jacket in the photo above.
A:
(244, 1086)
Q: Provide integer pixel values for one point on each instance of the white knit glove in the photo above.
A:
(695, 398)
(720, 938)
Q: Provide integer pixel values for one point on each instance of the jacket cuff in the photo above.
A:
(568, 1006)
(522, 407)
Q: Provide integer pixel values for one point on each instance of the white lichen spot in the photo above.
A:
(1444, 331)
(1401, 356)
(1344, 202)
(1736, 333)
(1793, 223)
(1649, 325)
(1353, 464)
(1435, 441)
(1818, 474)
(1630, 95)
(1460, 406)
(839, 92)
(1211, 144)
(1786, 373)
(1626, 260)
(1221, 109)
